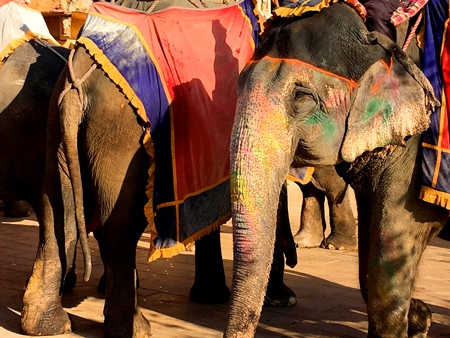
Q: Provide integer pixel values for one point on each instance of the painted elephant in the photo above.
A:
(313, 98)
(110, 166)
(326, 183)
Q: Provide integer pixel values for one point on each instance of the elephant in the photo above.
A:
(27, 76)
(327, 183)
(109, 165)
(321, 90)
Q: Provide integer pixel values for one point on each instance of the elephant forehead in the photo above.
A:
(281, 73)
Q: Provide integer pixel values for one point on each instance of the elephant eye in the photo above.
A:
(303, 99)
(300, 91)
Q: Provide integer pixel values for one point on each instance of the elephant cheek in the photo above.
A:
(319, 142)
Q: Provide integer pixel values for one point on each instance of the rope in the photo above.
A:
(412, 33)
(51, 49)
(73, 81)
(152, 7)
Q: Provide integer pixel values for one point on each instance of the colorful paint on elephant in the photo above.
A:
(179, 69)
(436, 140)
(20, 24)
(335, 96)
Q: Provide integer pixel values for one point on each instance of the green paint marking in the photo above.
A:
(328, 124)
(379, 106)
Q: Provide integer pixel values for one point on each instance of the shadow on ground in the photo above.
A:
(329, 301)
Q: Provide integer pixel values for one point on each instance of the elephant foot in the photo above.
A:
(339, 242)
(141, 328)
(15, 209)
(45, 322)
(419, 319)
(308, 239)
(70, 281)
(209, 293)
(279, 295)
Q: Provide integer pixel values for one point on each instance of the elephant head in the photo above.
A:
(309, 98)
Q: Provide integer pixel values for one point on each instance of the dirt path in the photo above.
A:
(326, 284)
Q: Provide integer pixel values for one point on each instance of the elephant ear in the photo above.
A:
(392, 101)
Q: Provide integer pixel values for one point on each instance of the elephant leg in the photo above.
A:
(342, 220)
(209, 283)
(393, 265)
(117, 238)
(394, 227)
(122, 316)
(312, 218)
(342, 224)
(278, 293)
(121, 199)
(42, 312)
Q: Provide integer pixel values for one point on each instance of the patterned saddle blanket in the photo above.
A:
(179, 69)
(436, 140)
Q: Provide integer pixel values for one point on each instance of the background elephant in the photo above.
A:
(303, 103)
(326, 183)
(28, 76)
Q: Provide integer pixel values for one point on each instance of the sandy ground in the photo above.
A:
(326, 284)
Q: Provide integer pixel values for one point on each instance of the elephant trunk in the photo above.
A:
(261, 152)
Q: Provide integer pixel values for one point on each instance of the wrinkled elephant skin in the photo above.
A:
(308, 99)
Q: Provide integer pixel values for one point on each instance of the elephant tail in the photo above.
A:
(70, 118)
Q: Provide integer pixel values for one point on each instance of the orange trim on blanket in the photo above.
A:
(16, 43)
(434, 196)
(442, 117)
(352, 83)
(144, 43)
(287, 12)
(154, 254)
(181, 201)
(261, 20)
(439, 145)
(435, 147)
(306, 180)
(119, 80)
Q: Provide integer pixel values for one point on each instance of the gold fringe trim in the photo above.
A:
(420, 37)
(286, 12)
(306, 180)
(119, 80)
(178, 248)
(434, 196)
(16, 43)
(261, 19)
